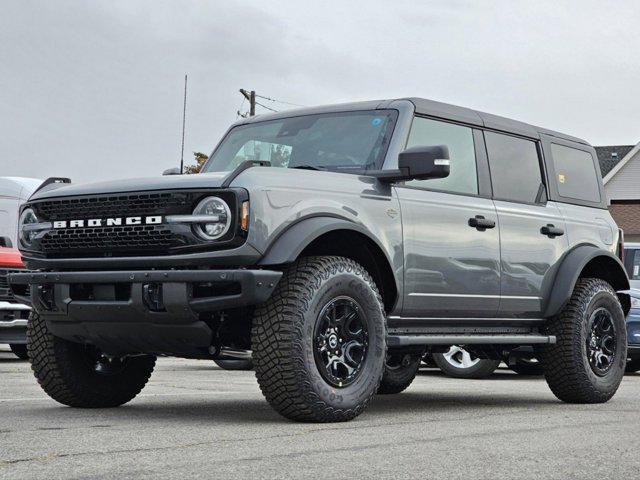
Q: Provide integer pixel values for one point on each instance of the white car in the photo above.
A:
(13, 315)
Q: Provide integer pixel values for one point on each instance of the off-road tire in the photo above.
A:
(282, 340)
(397, 378)
(63, 372)
(19, 350)
(242, 365)
(632, 366)
(483, 369)
(566, 365)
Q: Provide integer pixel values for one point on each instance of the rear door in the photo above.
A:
(451, 267)
(532, 228)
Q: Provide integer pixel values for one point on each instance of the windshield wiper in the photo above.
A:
(310, 167)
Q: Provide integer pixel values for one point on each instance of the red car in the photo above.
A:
(13, 315)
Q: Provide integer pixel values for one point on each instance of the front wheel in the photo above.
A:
(459, 363)
(587, 362)
(319, 342)
(80, 375)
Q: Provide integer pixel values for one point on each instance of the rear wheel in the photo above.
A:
(400, 371)
(587, 363)
(19, 351)
(459, 363)
(80, 375)
(319, 342)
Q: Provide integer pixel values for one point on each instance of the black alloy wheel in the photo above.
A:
(601, 341)
(341, 340)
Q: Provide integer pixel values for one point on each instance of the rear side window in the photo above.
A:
(463, 177)
(515, 168)
(575, 173)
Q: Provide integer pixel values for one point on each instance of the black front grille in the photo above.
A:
(127, 240)
(5, 291)
(141, 238)
(98, 206)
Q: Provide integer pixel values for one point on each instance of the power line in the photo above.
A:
(239, 111)
(280, 101)
(251, 96)
(264, 106)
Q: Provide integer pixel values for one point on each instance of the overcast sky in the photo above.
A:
(93, 90)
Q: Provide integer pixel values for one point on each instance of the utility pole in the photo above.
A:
(251, 96)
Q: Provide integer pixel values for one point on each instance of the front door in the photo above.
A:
(450, 233)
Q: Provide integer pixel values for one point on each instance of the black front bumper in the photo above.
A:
(156, 311)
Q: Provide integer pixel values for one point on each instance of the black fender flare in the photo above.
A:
(570, 269)
(287, 246)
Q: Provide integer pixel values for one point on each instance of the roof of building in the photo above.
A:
(608, 160)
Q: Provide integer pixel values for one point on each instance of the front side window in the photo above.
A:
(463, 177)
(515, 168)
(575, 173)
(341, 141)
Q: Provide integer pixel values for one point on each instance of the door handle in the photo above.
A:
(480, 223)
(551, 231)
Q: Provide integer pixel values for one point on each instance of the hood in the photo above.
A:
(169, 182)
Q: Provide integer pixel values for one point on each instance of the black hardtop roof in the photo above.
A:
(431, 108)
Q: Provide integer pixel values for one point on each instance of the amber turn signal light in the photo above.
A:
(244, 219)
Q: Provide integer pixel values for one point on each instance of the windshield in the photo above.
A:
(334, 141)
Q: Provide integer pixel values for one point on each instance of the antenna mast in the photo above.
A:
(184, 116)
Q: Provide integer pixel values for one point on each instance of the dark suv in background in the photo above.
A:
(335, 246)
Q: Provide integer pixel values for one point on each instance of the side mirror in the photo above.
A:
(418, 163)
(172, 171)
(421, 163)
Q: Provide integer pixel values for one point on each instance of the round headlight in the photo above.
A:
(27, 234)
(220, 215)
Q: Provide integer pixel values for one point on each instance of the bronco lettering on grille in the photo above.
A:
(108, 222)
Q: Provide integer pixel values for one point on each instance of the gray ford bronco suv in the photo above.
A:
(334, 246)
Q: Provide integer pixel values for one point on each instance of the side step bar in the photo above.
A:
(404, 340)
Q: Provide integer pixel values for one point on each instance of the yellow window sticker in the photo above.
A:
(561, 178)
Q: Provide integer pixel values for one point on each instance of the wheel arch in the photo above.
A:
(582, 262)
(336, 236)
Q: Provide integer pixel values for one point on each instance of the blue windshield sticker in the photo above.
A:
(376, 121)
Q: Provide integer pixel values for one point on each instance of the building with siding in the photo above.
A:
(620, 166)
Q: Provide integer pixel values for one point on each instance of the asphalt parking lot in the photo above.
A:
(195, 420)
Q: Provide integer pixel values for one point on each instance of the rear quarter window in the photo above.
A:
(576, 175)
